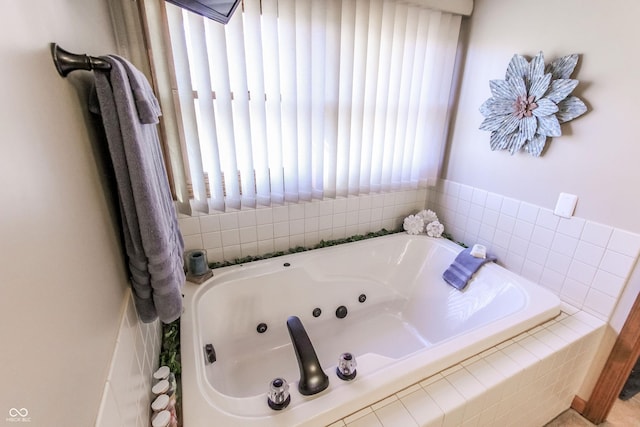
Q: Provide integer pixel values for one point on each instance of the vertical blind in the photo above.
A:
(295, 100)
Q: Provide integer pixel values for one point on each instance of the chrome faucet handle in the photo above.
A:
(278, 396)
(346, 369)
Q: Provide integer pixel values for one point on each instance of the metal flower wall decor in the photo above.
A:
(532, 101)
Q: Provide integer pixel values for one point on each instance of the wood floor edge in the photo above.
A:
(578, 404)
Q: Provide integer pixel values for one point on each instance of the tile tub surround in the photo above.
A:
(585, 263)
(127, 392)
(525, 381)
(230, 235)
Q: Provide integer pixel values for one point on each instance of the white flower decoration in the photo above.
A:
(413, 224)
(435, 229)
(428, 215)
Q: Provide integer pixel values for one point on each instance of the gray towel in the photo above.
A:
(153, 242)
(463, 267)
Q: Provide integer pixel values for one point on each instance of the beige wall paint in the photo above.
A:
(597, 157)
(62, 277)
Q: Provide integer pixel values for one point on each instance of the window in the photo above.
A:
(295, 100)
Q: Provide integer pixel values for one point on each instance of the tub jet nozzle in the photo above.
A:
(346, 369)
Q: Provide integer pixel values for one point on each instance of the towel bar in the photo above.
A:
(67, 62)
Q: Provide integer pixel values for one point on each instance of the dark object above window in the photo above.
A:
(218, 10)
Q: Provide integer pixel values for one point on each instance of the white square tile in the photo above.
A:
(311, 224)
(476, 212)
(537, 254)
(571, 226)
(395, 415)
(617, 263)
(523, 229)
(490, 218)
(547, 219)
(502, 238)
(280, 214)
(247, 218)
(311, 209)
(340, 205)
(357, 415)
(231, 252)
(265, 232)
(503, 364)
(528, 212)
(465, 193)
(296, 240)
(296, 211)
(281, 229)
(451, 187)
(506, 223)
(445, 395)
(209, 223)
(599, 304)
(353, 203)
(479, 197)
(589, 253)
(564, 244)
(466, 384)
(552, 280)
(249, 249)
(326, 207)
(581, 272)
(510, 207)
(531, 271)
(463, 207)
(422, 408)
(514, 262)
(264, 216)
(520, 355)
(596, 234)
(542, 236)
(575, 291)
(192, 242)
(189, 225)
(296, 226)
(558, 262)
(248, 235)
(228, 221)
(265, 246)
(625, 243)
(494, 202)
(608, 283)
(212, 240)
(352, 218)
(281, 243)
(230, 237)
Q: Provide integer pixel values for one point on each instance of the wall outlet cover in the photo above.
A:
(566, 205)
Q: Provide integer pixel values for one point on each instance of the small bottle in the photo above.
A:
(163, 419)
(164, 403)
(164, 373)
(164, 387)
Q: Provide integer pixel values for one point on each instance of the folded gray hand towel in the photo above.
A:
(463, 267)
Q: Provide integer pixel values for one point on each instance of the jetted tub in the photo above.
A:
(411, 325)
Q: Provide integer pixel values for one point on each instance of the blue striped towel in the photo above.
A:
(463, 267)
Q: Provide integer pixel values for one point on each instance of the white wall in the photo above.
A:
(63, 284)
(597, 156)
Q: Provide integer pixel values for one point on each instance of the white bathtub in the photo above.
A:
(411, 326)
